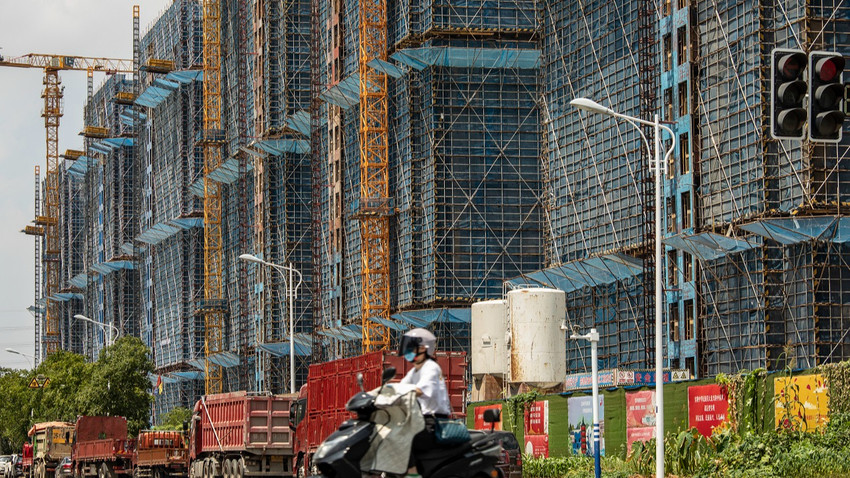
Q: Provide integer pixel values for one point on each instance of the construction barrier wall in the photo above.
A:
(772, 394)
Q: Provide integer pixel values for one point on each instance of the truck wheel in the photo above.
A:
(238, 468)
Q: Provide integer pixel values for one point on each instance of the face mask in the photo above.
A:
(410, 356)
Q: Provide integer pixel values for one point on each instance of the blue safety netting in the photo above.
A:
(299, 121)
(81, 165)
(445, 56)
(228, 171)
(386, 67)
(163, 87)
(281, 349)
(575, 275)
(425, 317)
(166, 380)
(795, 230)
(163, 230)
(106, 268)
(187, 375)
(222, 359)
(65, 296)
(708, 246)
(346, 332)
(80, 280)
(344, 94)
(277, 147)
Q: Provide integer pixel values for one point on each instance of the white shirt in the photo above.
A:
(429, 379)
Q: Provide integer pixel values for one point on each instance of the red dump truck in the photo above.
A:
(101, 447)
(51, 441)
(320, 407)
(26, 460)
(160, 454)
(240, 434)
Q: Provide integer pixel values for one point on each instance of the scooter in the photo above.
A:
(379, 413)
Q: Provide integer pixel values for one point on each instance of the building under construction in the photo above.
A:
(480, 177)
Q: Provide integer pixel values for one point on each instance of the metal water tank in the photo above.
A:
(488, 330)
(538, 347)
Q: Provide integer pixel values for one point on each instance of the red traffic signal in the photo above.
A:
(787, 91)
(826, 118)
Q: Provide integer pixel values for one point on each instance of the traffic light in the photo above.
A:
(826, 92)
(787, 90)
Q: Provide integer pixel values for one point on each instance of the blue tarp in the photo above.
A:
(794, 230)
(162, 88)
(166, 380)
(105, 268)
(223, 359)
(81, 165)
(581, 273)
(80, 280)
(281, 349)
(346, 332)
(277, 147)
(65, 296)
(425, 317)
(420, 58)
(344, 94)
(708, 246)
(228, 171)
(163, 230)
(189, 375)
(300, 121)
(386, 67)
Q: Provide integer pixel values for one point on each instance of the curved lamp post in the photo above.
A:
(658, 168)
(293, 295)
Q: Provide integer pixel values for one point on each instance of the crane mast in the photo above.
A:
(48, 220)
(213, 137)
(375, 205)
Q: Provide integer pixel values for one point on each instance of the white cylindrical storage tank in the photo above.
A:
(487, 331)
(538, 349)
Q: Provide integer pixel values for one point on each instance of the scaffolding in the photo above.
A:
(741, 289)
(108, 169)
(169, 110)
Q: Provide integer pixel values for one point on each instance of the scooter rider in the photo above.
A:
(419, 347)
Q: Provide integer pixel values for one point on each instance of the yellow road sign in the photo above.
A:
(34, 383)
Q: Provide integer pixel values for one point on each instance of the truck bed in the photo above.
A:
(107, 449)
(331, 384)
(234, 422)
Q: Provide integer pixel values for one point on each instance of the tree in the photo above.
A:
(14, 410)
(174, 419)
(120, 385)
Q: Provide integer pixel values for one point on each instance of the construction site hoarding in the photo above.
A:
(707, 407)
(801, 402)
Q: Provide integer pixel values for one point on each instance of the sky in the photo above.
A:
(93, 28)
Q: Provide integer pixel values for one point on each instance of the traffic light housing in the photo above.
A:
(787, 90)
(826, 92)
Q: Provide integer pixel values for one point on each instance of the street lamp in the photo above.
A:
(658, 168)
(102, 326)
(293, 295)
(593, 337)
(26, 356)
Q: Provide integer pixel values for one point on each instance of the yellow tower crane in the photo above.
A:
(49, 220)
(375, 205)
(213, 307)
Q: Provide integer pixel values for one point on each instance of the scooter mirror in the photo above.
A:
(388, 375)
(360, 381)
(492, 415)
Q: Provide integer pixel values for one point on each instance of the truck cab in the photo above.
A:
(297, 412)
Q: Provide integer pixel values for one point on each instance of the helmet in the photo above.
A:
(414, 338)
